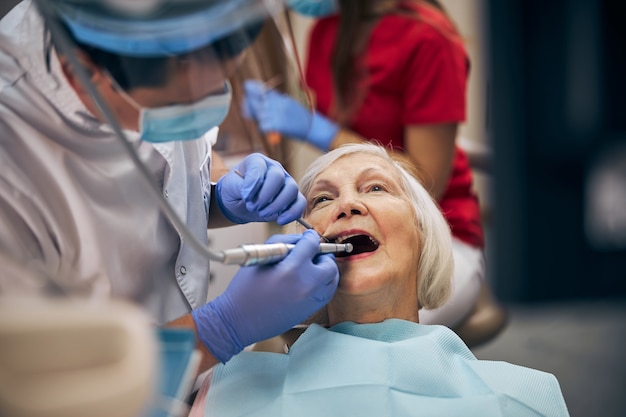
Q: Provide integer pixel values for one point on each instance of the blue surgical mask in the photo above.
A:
(314, 8)
(182, 121)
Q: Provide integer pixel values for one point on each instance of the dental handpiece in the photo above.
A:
(263, 254)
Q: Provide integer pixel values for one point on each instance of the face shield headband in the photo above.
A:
(162, 32)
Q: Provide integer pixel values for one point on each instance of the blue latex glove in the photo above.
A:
(265, 301)
(264, 192)
(276, 112)
(314, 8)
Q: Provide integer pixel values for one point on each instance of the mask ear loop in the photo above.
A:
(65, 44)
(128, 99)
(121, 91)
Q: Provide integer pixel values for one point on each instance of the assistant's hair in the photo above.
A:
(435, 263)
(355, 27)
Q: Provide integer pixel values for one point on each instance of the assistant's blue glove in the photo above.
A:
(264, 301)
(314, 8)
(264, 192)
(276, 112)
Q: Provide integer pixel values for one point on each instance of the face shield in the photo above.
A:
(178, 68)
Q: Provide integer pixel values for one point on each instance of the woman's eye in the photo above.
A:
(377, 187)
(319, 199)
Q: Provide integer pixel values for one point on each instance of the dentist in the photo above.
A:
(81, 82)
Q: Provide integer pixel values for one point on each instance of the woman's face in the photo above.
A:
(359, 199)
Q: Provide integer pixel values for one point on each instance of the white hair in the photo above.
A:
(435, 263)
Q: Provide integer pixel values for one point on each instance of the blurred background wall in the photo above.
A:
(557, 122)
(556, 119)
(6, 5)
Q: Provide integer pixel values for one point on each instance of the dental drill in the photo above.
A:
(262, 254)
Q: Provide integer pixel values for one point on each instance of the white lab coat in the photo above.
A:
(72, 204)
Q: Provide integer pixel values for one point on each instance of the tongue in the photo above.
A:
(360, 244)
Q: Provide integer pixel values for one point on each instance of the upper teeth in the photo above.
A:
(344, 238)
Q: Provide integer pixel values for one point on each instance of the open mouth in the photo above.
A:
(360, 244)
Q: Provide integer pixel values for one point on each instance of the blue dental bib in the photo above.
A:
(393, 368)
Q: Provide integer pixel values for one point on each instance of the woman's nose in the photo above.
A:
(352, 212)
(350, 206)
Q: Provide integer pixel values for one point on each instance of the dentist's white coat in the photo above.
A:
(72, 204)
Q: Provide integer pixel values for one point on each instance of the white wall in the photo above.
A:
(468, 16)
(471, 21)
(6, 5)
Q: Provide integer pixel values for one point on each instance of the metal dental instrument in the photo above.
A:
(268, 253)
(306, 225)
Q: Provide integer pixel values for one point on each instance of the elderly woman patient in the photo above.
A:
(372, 357)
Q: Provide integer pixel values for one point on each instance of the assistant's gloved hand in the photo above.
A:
(265, 301)
(276, 112)
(314, 8)
(264, 192)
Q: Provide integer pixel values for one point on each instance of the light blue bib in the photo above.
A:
(394, 368)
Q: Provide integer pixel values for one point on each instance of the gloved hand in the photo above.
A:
(276, 112)
(263, 192)
(264, 301)
(314, 8)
